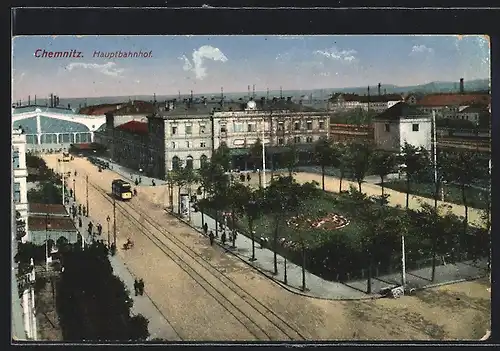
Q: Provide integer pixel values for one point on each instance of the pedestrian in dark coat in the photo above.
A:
(248, 177)
(205, 228)
(211, 236)
(141, 286)
(136, 287)
(223, 238)
(80, 222)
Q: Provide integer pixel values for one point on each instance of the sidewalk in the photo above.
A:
(159, 326)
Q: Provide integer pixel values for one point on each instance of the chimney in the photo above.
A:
(379, 85)
(179, 95)
(253, 92)
(249, 92)
(385, 91)
(35, 100)
(281, 93)
(191, 98)
(221, 93)
(267, 95)
(461, 85)
(29, 100)
(51, 100)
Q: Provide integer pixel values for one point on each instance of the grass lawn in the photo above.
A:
(476, 198)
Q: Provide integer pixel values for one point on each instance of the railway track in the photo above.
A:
(232, 297)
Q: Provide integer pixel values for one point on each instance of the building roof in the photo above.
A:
(85, 146)
(98, 110)
(367, 98)
(454, 99)
(40, 223)
(400, 110)
(135, 107)
(474, 109)
(134, 127)
(54, 209)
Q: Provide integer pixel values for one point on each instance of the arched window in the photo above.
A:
(203, 159)
(189, 162)
(176, 163)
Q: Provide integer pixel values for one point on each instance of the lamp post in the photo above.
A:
(47, 225)
(87, 186)
(114, 222)
(434, 155)
(109, 240)
(74, 189)
(263, 152)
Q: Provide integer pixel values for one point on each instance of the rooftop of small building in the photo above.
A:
(42, 223)
(54, 209)
(401, 110)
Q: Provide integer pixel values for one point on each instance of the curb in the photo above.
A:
(273, 279)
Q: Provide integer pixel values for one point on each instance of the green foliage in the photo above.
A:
(43, 172)
(93, 304)
(290, 158)
(255, 153)
(222, 156)
(357, 116)
(47, 193)
(360, 160)
(454, 123)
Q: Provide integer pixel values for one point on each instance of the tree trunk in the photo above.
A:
(466, 219)
(369, 281)
(359, 186)
(275, 245)
(303, 268)
(407, 191)
(382, 185)
(233, 221)
(323, 177)
(201, 210)
(216, 222)
(433, 272)
(252, 235)
(179, 200)
(340, 183)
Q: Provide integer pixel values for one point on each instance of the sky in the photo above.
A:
(204, 64)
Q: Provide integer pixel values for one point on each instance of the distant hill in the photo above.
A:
(317, 94)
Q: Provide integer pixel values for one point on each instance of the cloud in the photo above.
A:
(421, 49)
(338, 55)
(205, 52)
(108, 69)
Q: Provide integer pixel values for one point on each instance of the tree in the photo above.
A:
(171, 182)
(343, 162)
(383, 163)
(414, 160)
(93, 303)
(324, 155)
(361, 154)
(255, 156)
(222, 156)
(180, 181)
(462, 167)
(290, 158)
(205, 179)
(47, 193)
(253, 209)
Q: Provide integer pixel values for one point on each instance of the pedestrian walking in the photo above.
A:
(75, 173)
(248, 177)
(70, 192)
(141, 286)
(79, 222)
(211, 237)
(242, 177)
(79, 209)
(153, 182)
(84, 210)
(223, 238)
(136, 287)
(205, 228)
(135, 192)
(136, 182)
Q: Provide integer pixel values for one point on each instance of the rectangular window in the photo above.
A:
(309, 139)
(173, 145)
(238, 127)
(281, 126)
(321, 125)
(188, 144)
(296, 126)
(15, 157)
(223, 130)
(280, 141)
(250, 127)
(202, 129)
(203, 144)
(189, 129)
(309, 125)
(296, 140)
(174, 130)
(387, 127)
(17, 193)
(414, 127)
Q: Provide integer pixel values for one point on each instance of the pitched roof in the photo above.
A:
(401, 109)
(366, 98)
(454, 99)
(41, 223)
(54, 209)
(134, 127)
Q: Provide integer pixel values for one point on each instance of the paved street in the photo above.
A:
(159, 326)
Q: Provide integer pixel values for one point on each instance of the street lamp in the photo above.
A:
(114, 222)
(87, 182)
(263, 152)
(47, 225)
(74, 189)
(109, 240)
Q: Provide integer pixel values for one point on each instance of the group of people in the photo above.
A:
(223, 237)
(139, 287)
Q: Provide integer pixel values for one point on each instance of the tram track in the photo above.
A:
(232, 297)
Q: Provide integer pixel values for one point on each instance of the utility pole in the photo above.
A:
(87, 186)
(264, 152)
(403, 261)
(434, 155)
(63, 187)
